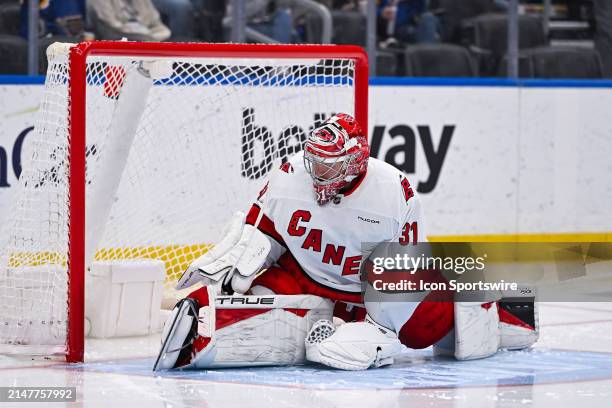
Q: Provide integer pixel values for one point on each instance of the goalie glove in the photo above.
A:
(351, 346)
(233, 263)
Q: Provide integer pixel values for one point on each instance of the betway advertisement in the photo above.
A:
(486, 160)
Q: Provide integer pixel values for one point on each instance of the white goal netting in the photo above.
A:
(174, 147)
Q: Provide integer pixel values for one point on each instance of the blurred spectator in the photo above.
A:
(603, 34)
(271, 18)
(502, 5)
(344, 5)
(133, 19)
(57, 17)
(179, 16)
(454, 14)
(210, 14)
(408, 21)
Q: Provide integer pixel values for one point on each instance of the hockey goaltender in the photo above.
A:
(282, 286)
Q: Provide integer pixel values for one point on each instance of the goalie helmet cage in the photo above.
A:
(130, 125)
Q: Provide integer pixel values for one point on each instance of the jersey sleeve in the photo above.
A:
(411, 220)
(262, 216)
(411, 231)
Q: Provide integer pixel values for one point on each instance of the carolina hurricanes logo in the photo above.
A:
(329, 140)
(324, 135)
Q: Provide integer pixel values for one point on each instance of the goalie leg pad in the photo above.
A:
(247, 331)
(483, 328)
(239, 331)
(476, 332)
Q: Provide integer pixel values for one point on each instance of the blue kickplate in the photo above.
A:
(414, 369)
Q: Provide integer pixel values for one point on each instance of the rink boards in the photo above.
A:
(488, 157)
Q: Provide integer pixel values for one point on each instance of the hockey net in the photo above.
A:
(176, 137)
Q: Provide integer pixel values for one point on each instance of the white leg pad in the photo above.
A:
(264, 330)
(476, 332)
(483, 328)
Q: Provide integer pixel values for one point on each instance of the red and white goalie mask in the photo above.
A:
(335, 154)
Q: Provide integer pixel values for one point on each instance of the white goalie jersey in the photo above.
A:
(326, 241)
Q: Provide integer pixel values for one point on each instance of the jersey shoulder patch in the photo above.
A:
(406, 188)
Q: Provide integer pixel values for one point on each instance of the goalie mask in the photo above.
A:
(335, 154)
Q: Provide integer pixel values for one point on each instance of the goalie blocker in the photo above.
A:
(206, 330)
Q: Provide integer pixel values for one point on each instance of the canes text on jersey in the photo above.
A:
(313, 241)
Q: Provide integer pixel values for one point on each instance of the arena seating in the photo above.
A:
(13, 54)
(9, 18)
(557, 62)
(489, 38)
(438, 60)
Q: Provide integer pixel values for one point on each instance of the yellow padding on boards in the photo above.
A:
(537, 237)
(176, 257)
(17, 259)
(539, 247)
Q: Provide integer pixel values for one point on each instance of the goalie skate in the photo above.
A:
(178, 334)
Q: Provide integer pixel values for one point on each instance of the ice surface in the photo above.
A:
(570, 367)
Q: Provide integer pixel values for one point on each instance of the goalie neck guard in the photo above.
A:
(335, 154)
